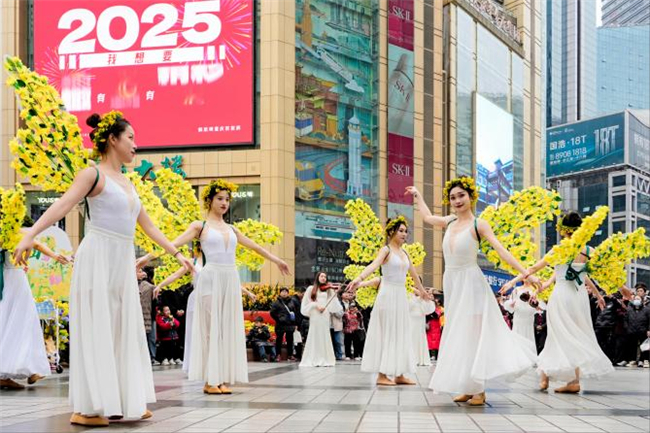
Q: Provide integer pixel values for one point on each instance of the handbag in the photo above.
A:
(297, 337)
(645, 346)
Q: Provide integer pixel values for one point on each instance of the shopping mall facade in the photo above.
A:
(305, 104)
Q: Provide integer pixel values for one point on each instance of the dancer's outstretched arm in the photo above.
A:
(158, 237)
(80, 187)
(247, 243)
(418, 284)
(373, 282)
(372, 267)
(427, 216)
(51, 254)
(184, 238)
(591, 287)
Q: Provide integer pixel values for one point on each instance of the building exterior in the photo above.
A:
(625, 13)
(570, 61)
(604, 161)
(351, 99)
(623, 64)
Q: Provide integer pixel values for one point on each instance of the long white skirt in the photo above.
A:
(22, 349)
(319, 351)
(388, 343)
(523, 322)
(419, 342)
(218, 352)
(477, 344)
(110, 368)
(571, 341)
(189, 321)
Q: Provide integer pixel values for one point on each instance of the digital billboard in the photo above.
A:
(585, 145)
(180, 71)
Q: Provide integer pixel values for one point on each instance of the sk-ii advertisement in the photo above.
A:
(400, 107)
(180, 71)
(585, 145)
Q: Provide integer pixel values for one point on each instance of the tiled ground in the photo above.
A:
(285, 398)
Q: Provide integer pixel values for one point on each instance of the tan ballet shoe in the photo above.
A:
(148, 414)
(543, 385)
(477, 400)
(569, 388)
(90, 421)
(402, 380)
(224, 389)
(207, 389)
(11, 384)
(385, 381)
(34, 378)
(462, 398)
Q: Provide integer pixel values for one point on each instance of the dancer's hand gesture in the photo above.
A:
(142, 262)
(413, 191)
(62, 259)
(185, 263)
(283, 267)
(24, 250)
(534, 281)
(507, 286)
(352, 287)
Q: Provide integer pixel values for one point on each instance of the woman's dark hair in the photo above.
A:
(572, 219)
(149, 270)
(525, 296)
(100, 137)
(391, 229)
(317, 284)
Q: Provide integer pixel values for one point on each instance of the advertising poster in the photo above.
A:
(48, 277)
(585, 145)
(319, 255)
(400, 106)
(184, 65)
(638, 137)
(494, 149)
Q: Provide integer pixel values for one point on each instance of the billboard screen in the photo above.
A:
(638, 138)
(180, 71)
(585, 145)
(494, 135)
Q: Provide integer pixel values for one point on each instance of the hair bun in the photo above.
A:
(93, 120)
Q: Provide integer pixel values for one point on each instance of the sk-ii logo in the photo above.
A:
(400, 169)
(402, 13)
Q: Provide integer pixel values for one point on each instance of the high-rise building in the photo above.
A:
(623, 64)
(571, 61)
(625, 12)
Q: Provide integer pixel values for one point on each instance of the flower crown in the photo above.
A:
(214, 187)
(560, 227)
(396, 222)
(466, 182)
(108, 120)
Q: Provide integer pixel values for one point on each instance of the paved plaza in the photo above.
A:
(284, 398)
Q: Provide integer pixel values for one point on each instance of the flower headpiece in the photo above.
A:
(560, 227)
(396, 222)
(214, 187)
(108, 120)
(467, 183)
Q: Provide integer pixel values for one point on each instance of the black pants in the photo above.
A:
(168, 349)
(633, 343)
(606, 341)
(540, 340)
(355, 340)
(620, 348)
(284, 332)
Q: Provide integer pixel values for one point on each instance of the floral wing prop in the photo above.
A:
(570, 247)
(48, 150)
(262, 234)
(514, 221)
(12, 214)
(608, 261)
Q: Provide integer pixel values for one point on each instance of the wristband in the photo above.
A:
(177, 252)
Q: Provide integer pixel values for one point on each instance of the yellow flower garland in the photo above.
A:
(12, 214)
(467, 183)
(49, 149)
(214, 187)
(570, 247)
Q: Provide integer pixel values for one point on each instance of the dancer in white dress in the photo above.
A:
(110, 368)
(523, 314)
(388, 350)
(319, 301)
(476, 345)
(419, 309)
(218, 322)
(22, 349)
(571, 349)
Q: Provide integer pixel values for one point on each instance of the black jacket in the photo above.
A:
(607, 317)
(259, 335)
(280, 312)
(637, 320)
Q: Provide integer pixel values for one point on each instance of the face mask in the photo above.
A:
(636, 303)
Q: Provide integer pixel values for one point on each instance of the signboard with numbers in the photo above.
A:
(585, 145)
(180, 71)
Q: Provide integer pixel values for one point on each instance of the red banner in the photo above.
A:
(180, 71)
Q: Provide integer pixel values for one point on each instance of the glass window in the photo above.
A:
(245, 204)
(618, 203)
(618, 227)
(37, 202)
(618, 180)
(643, 204)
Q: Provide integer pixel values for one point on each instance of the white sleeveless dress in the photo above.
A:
(523, 321)
(22, 349)
(571, 341)
(218, 351)
(189, 319)
(110, 368)
(477, 344)
(319, 351)
(418, 310)
(388, 347)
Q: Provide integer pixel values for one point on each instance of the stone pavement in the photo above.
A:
(284, 398)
